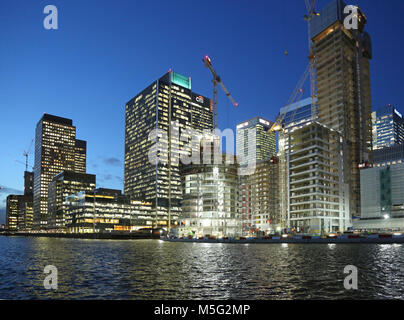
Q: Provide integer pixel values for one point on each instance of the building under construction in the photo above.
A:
(318, 193)
(343, 85)
(259, 198)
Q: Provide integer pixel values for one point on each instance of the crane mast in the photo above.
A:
(26, 154)
(215, 81)
(296, 95)
(310, 5)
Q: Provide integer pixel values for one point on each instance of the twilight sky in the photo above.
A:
(105, 52)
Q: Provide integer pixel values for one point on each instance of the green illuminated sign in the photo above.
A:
(181, 80)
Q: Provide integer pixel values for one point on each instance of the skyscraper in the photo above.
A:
(388, 127)
(254, 143)
(80, 156)
(343, 81)
(55, 151)
(167, 100)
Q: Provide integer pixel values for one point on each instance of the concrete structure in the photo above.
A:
(387, 127)
(254, 143)
(210, 199)
(342, 59)
(106, 210)
(259, 199)
(296, 116)
(168, 100)
(318, 195)
(56, 149)
(64, 184)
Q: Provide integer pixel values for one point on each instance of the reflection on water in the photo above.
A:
(152, 269)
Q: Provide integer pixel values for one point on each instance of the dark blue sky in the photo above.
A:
(105, 52)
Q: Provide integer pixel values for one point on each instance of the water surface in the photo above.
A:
(153, 269)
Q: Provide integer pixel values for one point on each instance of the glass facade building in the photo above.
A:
(388, 155)
(254, 143)
(169, 100)
(63, 185)
(17, 207)
(26, 215)
(382, 192)
(210, 199)
(106, 210)
(387, 127)
(56, 150)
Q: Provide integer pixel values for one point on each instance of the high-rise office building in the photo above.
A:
(80, 156)
(342, 59)
(56, 150)
(254, 142)
(12, 209)
(15, 204)
(19, 207)
(26, 215)
(61, 186)
(388, 155)
(387, 127)
(167, 100)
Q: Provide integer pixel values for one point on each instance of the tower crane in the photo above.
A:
(23, 163)
(310, 5)
(310, 70)
(216, 80)
(26, 154)
(296, 95)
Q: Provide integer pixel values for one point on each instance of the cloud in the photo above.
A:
(7, 190)
(109, 177)
(112, 161)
